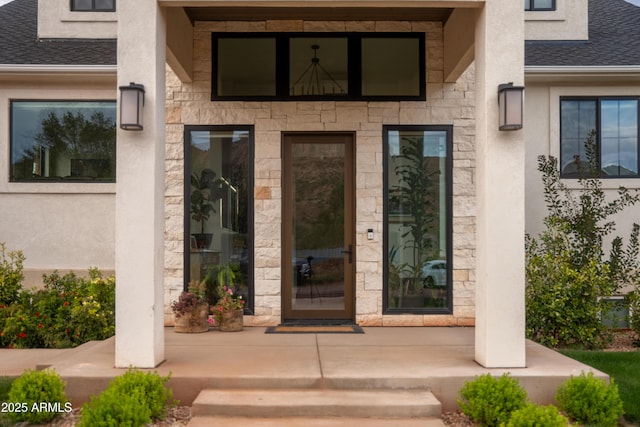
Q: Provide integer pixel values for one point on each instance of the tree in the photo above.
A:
(568, 274)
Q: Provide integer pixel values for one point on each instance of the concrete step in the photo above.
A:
(313, 422)
(313, 403)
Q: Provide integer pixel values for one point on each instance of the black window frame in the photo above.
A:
(93, 7)
(354, 66)
(533, 8)
(50, 180)
(448, 226)
(598, 102)
(249, 307)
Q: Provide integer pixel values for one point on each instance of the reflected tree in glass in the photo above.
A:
(88, 144)
(417, 182)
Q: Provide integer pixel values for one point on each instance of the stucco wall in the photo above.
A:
(56, 20)
(447, 103)
(570, 21)
(63, 226)
(542, 137)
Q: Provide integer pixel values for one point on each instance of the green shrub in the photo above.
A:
(490, 401)
(111, 409)
(563, 305)
(569, 271)
(590, 401)
(11, 275)
(535, 416)
(31, 391)
(132, 399)
(67, 312)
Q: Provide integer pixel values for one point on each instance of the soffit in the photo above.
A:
(231, 13)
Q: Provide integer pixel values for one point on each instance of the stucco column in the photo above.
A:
(140, 190)
(500, 311)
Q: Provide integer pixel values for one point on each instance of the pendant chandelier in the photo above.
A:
(314, 79)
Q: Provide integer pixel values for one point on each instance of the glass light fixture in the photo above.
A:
(510, 106)
(131, 104)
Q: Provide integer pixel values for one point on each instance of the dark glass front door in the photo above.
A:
(318, 227)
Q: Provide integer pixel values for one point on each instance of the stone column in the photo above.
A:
(500, 311)
(140, 190)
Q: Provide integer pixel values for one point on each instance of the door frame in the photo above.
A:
(319, 316)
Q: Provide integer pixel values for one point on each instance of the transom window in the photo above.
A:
(353, 66)
(63, 141)
(93, 5)
(613, 123)
(539, 5)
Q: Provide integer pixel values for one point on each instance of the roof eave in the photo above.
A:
(582, 72)
(40, 69)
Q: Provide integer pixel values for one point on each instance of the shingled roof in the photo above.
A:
(614, 39)
(19, 43)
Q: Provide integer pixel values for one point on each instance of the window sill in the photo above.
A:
(61, 188)
(607, 183)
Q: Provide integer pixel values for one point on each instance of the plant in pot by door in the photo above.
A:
(191, 310)
(202, 203)
(229, 310)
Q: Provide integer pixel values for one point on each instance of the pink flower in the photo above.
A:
(230, 292)
(211, 321)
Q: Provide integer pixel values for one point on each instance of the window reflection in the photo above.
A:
(619, 139)
(246, 66)
(614, 124)
(93, 5)
(63, 141)
(578, 118)
(539, 5)
(218, 204)
(417, 217)
(390, 67)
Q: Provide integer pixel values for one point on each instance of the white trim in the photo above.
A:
(587, 69)
(57, 69)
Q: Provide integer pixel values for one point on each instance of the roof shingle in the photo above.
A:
(20, 44)
(614, 39)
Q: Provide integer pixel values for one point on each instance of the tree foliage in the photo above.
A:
(569, 272)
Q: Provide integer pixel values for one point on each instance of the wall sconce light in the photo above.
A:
(131, 103)
(510, 106)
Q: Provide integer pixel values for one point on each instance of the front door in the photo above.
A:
(318, 227)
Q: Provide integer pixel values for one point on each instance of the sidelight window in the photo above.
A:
(417, 218)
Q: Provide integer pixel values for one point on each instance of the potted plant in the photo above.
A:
(229, 309)
(202, 203)
(191, 310)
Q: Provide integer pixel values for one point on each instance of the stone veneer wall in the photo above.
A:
(447, 103)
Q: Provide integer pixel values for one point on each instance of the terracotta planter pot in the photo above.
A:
(193, 322)
(232, 321)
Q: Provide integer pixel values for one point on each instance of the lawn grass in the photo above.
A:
(5, 385)
(624, 368)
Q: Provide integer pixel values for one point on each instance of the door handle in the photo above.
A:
(350, 252)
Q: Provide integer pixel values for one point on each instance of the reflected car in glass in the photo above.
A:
(434, 273)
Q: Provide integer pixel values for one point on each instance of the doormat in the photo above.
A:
(314, 329)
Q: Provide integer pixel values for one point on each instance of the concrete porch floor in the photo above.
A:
(440, 359)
